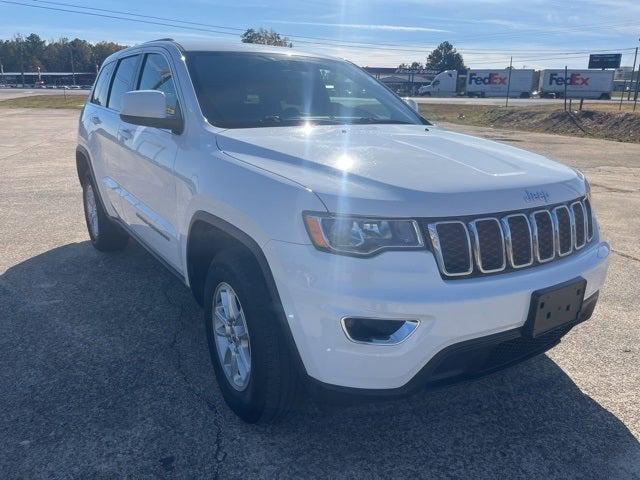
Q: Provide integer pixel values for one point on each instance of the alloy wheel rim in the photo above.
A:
(92, 210)
(231, 336)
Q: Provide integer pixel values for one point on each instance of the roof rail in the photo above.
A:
(161, 40)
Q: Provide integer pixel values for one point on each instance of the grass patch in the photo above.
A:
(45, 101)
(598, 120)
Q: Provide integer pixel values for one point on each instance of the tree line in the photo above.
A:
(62, 55)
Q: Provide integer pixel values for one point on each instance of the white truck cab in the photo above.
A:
(444, 84)
(337, 241)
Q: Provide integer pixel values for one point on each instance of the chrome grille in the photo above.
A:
(563, 230)
(491, 244)
(488, 244)
(518, 240)
(544, 244)
(451, 240)
(580, 233)
(587, 206)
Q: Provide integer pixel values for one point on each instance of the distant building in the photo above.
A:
(405, 81)
(48, 78)
(623, 73)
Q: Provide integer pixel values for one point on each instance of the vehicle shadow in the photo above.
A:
(105, 373)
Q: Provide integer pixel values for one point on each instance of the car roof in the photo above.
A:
(214, 45)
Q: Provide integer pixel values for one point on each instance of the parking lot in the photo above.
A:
(105, 370)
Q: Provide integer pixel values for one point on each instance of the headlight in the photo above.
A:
(361, 236)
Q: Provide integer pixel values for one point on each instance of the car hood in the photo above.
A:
(404, 170)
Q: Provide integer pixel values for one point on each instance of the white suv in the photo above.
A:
(335, 238)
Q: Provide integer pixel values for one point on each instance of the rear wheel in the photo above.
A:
(250, 358)
(105, 234)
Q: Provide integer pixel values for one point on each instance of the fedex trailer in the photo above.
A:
(578, 83)
(496, 83)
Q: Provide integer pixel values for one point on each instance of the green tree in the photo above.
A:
(413, 66)
(55, 55)
(265, 37)
(445, 57)
(81, 54)
(102, 50)
(33, 48)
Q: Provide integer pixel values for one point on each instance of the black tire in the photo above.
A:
(108, 236)
(272, 386)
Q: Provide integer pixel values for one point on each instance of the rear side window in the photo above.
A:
(122, 81)
(156, 75)
(101, 90)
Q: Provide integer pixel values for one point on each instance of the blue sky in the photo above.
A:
(538, 33)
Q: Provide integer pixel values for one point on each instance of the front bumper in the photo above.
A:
(461, 362)
(318, 289)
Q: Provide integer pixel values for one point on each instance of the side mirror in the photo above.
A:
(412, 103)
(149, 109)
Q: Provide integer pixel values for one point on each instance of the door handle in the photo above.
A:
(126, 134)
(96, 120)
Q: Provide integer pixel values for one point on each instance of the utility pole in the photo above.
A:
(635, 95)
(565, 88)
(21, 61)
(506, 103)
(635, 58)
(73, 70)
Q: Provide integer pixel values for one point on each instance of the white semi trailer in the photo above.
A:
(496, 83)
(481, 83)
(579, 83)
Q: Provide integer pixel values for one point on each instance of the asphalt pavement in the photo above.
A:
(104, 370)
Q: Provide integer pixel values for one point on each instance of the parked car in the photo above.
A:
(343, 244)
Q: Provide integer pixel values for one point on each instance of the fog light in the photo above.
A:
(603, 250)
(375, 331)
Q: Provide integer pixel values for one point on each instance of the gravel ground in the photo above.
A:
(104, 371)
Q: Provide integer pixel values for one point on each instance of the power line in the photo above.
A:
(378, 44)
(352, 44)
(139, 15)
(193, 26)
(115, 17)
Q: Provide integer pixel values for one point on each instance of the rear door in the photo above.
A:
(101, 126)
(147, 156)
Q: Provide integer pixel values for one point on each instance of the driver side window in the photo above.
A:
(156, 75)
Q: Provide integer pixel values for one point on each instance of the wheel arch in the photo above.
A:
(83, 163)
(209, 235)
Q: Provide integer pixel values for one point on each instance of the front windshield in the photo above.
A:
(247, 90)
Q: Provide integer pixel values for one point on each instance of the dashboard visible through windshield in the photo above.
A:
(248, 90)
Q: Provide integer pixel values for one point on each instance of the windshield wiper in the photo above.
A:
(271, 120)
(374, 121)
(314, 120)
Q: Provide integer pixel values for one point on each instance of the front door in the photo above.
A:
(148, 155)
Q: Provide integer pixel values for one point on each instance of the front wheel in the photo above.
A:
(250, 358)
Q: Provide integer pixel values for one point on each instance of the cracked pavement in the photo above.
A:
(105, 373)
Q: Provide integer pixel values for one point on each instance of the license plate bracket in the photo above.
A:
(555, 306)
